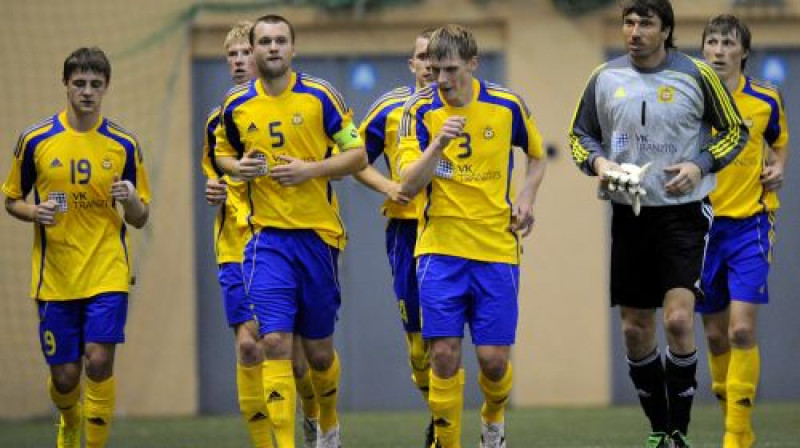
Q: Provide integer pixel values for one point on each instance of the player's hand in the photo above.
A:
(253, 164)
(396, 194)
(452, 128)
(294, 172)
(123, 190)
(522, 219)
(45, 213)
(216, 191)
(603, 167)
(686, 176)
(772, 176)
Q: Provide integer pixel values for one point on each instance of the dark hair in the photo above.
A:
(87, 59)
(729, 24)
(452, 40)
(270, 18)
(661, 8)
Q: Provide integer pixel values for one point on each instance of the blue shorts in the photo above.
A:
(454, 291)
(401, 237)
(65, 327)
(292, 280)
(737, 262)
(237, 306)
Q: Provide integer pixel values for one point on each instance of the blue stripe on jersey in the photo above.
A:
(508, 196)
(28, 170)
(212, 141)
(400, 94)
(519, 134)
(423, 135)
(129, 172)
(43, 246)
(331, 119)
(376, 132)
(46, 122)
(231, 131)
(122, 231)
(773, 130)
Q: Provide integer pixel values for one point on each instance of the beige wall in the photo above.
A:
(562, 355)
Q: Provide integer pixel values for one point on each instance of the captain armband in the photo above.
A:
(348, 138)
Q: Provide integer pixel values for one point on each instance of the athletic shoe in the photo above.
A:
(70, 436)
(330, 439)
(429, 434)
(657, 440)
(738, 440)
(679, 440)
(493, 435)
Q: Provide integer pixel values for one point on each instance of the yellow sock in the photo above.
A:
(495, 394)
(279, 390)
(326, 383)
(446, 401)
(308, 400)
(67, 403)
(100, 397)
(420, 362)
(742, 381)
(718, 366)
(252, 405)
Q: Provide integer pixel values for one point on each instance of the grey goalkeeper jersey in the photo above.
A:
(664, 116)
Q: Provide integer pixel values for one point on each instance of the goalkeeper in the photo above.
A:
(656, 107)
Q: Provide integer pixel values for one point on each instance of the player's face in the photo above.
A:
(273, 50)
(644, 39)
(240, 62)
(725, 53)
(85, 91)
(454, 78)
(419, 64)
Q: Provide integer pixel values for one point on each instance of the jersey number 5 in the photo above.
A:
(276, 134)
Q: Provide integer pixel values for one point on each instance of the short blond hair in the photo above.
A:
(239, 33)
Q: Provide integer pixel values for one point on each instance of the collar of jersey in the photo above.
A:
(289, 87)
(62, 117)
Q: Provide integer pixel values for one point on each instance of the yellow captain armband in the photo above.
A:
(348, 138)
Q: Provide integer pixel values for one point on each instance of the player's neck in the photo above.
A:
(82, 122)
(276, 86)
(732, 81)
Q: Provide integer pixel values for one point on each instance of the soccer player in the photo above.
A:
(277, 132)
(657, 106)
(456, 141)
(379, 132)
(80, 165)
(739, 251)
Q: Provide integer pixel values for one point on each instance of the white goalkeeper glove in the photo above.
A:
(628, 181)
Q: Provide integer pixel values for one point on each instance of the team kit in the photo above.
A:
(689, 153)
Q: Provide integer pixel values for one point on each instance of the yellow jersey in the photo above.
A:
(305, 121)
(86, 252)
(231, 231)
(739, 193)
(468, 205)
(379, 132)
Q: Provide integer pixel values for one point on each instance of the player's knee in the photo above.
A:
(445, 359)
(250, 352)
(319, 360)
(679, 323)
(494, 368)
(635, 335)
(299, 369)
(99, 366)
(742, 336)
(66, 380)
(277, 346)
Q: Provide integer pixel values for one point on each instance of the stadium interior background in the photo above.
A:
(168, 68)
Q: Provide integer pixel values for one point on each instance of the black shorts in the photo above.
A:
(661, 249)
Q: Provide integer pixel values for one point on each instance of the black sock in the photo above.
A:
(681, 372)
(648, 378)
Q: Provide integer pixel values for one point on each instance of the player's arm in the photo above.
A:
(527, 137)
(376, 181)
(777, 137)
(229, 151)
(419, 173)
(216, 190)
(43, 213)
(135, 210)
(721, 113)
(586, 136)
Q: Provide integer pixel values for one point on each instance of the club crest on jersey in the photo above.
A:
(297, 119)
(488, 133)
(748, 121)
(56, 163)
(107, 162)
(666, 94)
(252, 128)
